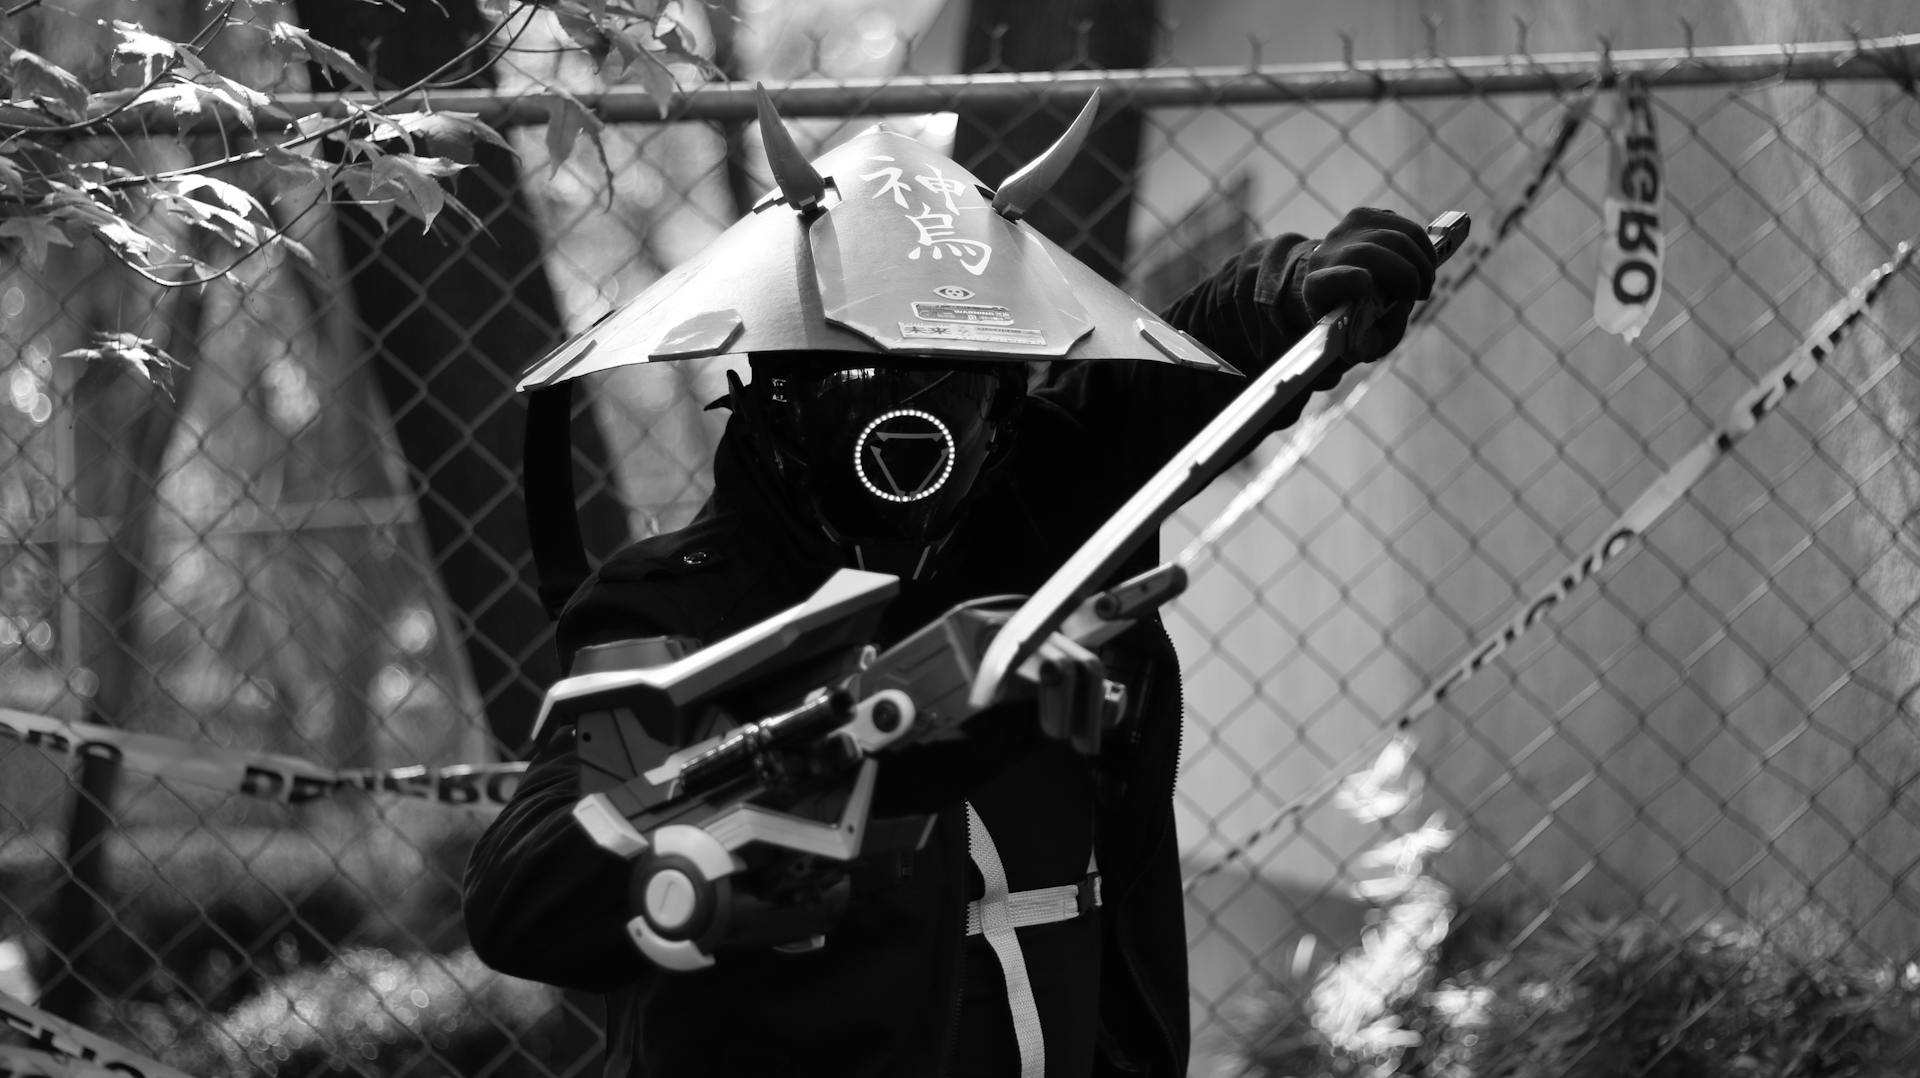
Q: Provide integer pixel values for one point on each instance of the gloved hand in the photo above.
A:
(1370, 255)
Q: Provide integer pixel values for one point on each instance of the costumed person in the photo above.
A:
(889, 308)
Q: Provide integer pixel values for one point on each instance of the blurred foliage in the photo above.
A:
(371, 1012)
(1633, 996)
(1580, 996)
(1501, 993)
(382, 151)
(203, 919)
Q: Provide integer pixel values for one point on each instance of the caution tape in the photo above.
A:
(1758, 402)
(1633, 241)
(271, 776)
(27, 1063)
(60, 1049)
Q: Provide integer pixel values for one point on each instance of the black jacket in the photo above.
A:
(542, 902)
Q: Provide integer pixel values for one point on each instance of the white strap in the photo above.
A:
(1042, 905)
(996, 924)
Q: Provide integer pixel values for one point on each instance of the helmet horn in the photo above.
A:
(798, 181)
(1029, 185)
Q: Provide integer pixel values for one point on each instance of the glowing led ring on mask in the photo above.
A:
(945, 465)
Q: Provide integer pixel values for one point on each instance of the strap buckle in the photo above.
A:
(1088, 898)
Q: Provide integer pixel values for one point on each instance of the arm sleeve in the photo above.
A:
(542, 901)
(1251, 309)
(1249, 312)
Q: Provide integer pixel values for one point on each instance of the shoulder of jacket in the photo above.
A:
(677, 584)
(700, 548)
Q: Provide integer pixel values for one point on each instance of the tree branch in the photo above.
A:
(383, 103)
(210, 31)
(279, 232)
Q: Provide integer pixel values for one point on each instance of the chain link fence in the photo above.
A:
(1671, 826)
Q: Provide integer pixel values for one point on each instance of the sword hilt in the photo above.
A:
(1348, 325)
(1447, 233)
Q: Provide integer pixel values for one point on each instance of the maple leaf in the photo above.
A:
(186, 98)
(135, 45)
(78, 213)
(447, 134)
(194, 66)
(244, 101)
(182, 97)
(357, 178)
(660, 82)
(231, 196)
(128, 241)
(403, 181)
(413, 184)
(130, 354)
(566, 119)
(628, 46)
(296, 41)
(227, 212)
(676, 40)
(35, 234)
(73, 206)
(311, 126)
(585, 32)
(301, 180)
(34, 76)
(380, 127)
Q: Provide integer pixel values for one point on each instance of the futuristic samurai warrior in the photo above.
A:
(1015, 904)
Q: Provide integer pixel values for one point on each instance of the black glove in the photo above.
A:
(1374, 255)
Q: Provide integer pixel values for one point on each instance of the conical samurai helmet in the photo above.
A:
(882, 246)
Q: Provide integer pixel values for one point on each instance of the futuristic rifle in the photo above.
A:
(745, 838)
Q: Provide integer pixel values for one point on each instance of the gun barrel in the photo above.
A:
(750, 750)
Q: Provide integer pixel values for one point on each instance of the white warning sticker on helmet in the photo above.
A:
(971, 313)
(952, 331)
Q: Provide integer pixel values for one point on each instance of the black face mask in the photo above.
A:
(886, 455)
